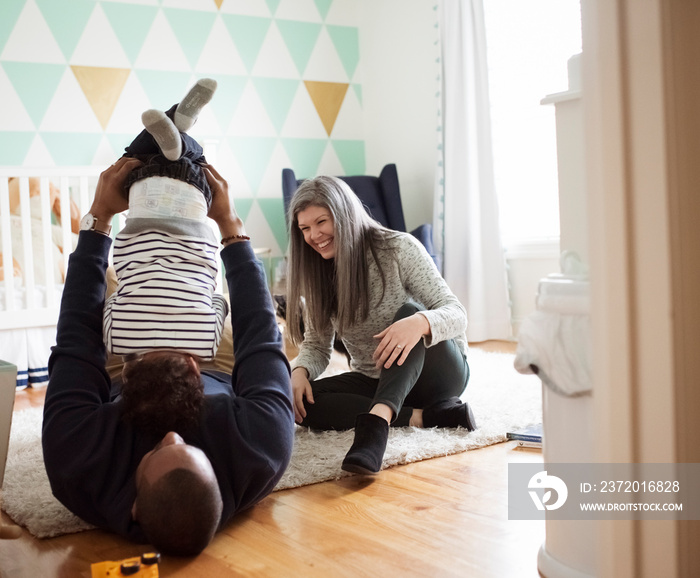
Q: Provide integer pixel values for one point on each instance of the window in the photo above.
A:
(528, 45)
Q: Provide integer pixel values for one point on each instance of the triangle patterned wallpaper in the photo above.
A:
(76, 76)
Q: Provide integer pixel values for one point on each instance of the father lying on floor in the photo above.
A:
(173, 489)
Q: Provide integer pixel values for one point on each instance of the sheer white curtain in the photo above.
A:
(467, 226)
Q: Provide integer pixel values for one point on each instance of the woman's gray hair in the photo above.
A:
(337, 287)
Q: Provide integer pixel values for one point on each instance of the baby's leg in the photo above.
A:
(188, 110)
(164, 132)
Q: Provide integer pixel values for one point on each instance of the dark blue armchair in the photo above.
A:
(379, 195)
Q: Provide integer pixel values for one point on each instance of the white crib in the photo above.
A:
(35, 247)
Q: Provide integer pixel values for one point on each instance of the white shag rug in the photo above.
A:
(501, 399)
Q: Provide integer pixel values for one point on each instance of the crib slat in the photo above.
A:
(67, 239)
(5, 224)
(84, 195)
(25, 217)
(47, 238)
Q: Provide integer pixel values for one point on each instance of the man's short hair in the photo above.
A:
(180, 512)
(162, 394)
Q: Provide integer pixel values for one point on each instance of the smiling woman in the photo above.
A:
(378, 291)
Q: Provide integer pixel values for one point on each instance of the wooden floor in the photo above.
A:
(440, 517)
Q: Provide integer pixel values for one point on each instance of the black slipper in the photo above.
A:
(367, 450)
(452, 412)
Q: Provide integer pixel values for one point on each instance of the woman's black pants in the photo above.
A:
(428, 376)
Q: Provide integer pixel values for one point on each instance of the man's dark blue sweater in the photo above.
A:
(246, 428)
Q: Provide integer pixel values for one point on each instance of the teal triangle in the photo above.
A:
(67, 23)
(163, 88)
(347, 42)
(9, 12)
(253, 155)
(323, 7)
(35, 84)
(351, 154)
(228, 95)
(248, 34)
(358, 92)
(119, 141)
(72, 148)
(131, 23)
(272, 5)
(273, 209)
(243, 207)
(276, 95)
(192, 28)
(14, 147)
(300, 38)
(305, 155)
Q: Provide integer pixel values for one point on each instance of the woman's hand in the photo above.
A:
(109, 197)
(399, 339)
(301, 388)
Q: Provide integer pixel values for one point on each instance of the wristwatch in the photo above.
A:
(91, 223)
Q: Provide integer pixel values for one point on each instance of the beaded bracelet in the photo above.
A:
(232, 237)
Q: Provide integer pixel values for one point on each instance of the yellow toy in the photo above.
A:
(144, 566)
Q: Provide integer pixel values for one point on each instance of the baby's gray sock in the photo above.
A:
(164, 131)
(188, 110)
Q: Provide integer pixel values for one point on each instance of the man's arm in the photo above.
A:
(261, 380)
(79, 346)
(78, 382)
(262, 408)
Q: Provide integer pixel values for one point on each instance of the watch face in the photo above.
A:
(87, 222)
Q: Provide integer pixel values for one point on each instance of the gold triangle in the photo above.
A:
(102, 88)
(218, 3)
(327, 98)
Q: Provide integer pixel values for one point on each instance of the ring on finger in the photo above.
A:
(399, 347)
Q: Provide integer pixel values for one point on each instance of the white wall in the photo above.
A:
(400, 80)
(398, 54)
(527, 264)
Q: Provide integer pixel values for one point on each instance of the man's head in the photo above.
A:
(178, 502)
(162, 391)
